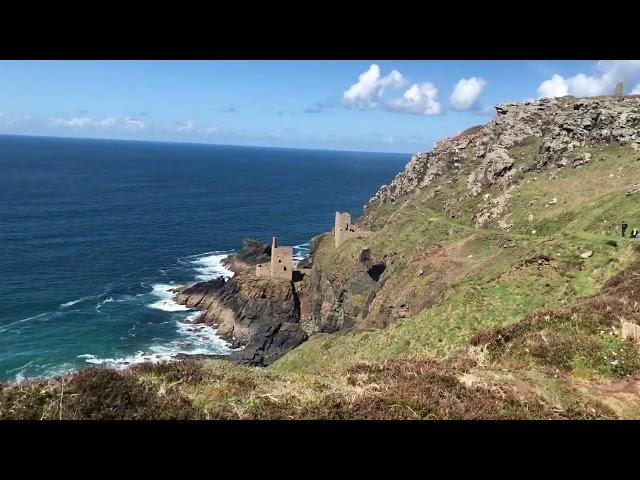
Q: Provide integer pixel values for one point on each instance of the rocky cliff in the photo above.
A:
(335, 304)
(260, 314)
(556, 128)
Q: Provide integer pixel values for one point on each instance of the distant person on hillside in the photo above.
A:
(624, 228)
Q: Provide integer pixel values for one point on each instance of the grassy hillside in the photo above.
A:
(485, 278)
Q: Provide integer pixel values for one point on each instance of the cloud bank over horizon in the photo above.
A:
(603, 82)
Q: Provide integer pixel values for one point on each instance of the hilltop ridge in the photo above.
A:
(554, 129)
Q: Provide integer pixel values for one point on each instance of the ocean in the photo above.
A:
(95, 233)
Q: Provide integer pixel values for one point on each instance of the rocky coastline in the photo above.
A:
(258, 317)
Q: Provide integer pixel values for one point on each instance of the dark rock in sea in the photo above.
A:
(199, 356)
(261, 314)
(251, 253)
(304, 263)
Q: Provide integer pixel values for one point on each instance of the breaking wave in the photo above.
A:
(166, 303)
(194, 340)
(209, 266)
(79, 300)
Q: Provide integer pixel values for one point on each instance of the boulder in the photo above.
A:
(633, 189)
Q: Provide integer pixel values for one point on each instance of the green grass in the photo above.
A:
(496, 286)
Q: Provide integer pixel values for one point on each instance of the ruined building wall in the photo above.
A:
(344, 229)
(281, 264)
(263, 269)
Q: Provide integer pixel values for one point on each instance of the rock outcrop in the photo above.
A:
(556, 128)
(260, 314)
(251, 253)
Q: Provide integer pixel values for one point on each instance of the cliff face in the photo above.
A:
(337, 302)
(261, 314)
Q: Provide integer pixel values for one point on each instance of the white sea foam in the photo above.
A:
(30, 318)
(203, 336)
(6, 327)
(124, 298)
(166, 302)
(73, 302)
(194, 340)
(300, 251)
(209, 266)
(41, 371)
(138, 357)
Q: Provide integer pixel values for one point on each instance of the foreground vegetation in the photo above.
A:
(567, 362)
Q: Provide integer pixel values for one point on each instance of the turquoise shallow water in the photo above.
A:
(94, 233)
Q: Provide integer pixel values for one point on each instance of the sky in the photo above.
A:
(368, 105)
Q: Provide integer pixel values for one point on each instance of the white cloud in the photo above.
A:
(186, 127)
(418, 99)
(77, 122)
(466, 93)
(107, 122)
(7, 120)
(636, 90)
(556, 86)
(133, 124)
(609, 73)
(368, 90)
(211, 130)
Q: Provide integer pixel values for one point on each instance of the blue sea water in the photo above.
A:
(95, 233)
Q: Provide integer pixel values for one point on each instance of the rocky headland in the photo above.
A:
(258, 317)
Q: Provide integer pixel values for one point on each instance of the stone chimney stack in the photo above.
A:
(619, 91)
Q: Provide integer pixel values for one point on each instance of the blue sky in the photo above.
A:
(376, 105)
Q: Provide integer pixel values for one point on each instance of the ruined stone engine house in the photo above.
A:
(344, 229)
(281, 264)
